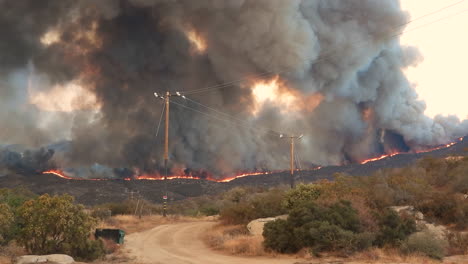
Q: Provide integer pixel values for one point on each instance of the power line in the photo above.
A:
(160, 119)
(226, 120)
(231, 116)
(329, 53)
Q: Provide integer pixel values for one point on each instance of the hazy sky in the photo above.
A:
(442, 78)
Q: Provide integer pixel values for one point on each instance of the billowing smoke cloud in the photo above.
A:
(335, 56)
(27, 162)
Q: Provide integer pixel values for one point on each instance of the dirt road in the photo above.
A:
(181, 244)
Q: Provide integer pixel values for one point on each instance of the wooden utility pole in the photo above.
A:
(166, 152)
(292, 138)
(292, 163)
(167, 101)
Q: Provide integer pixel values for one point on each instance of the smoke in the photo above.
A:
(27, 162)
(336, 57)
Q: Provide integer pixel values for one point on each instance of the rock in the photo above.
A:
(439, 231)
(408, 210)
(255, 227)
(54, 258)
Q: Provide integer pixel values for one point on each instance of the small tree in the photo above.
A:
(54, 224)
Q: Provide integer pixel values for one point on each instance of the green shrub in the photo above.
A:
(239, 213)
(340, 214)
(333, 228)
(426, 243)
(101, 213)
(302, 193)
(123, 208)
(279, 236)
(15, 197)
(54, 224)
(89, 250)
(394, 229)
(209, 210)
(260, 205)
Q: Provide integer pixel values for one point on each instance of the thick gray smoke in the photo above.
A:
(27, 162)
(122, 51)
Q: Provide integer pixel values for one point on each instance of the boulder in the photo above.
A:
(54, 258)
(439, 231)
(255, 227)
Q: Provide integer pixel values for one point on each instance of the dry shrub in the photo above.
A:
(12, 250)
(132, 224)
(458, 243)
(245, 245)
(390, 255)
(110, 246)
(235, 240)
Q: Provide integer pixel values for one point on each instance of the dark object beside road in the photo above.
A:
(116, 235)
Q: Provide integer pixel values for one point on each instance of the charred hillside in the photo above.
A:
(92, 192)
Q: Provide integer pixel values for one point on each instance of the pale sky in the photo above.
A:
(442, 78)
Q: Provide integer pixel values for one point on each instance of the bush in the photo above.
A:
(101, 213)
(15, 197)
(123, 208)
(89, 250)
(394, 229)
(458, 243)
(56, 225)
(209, 210)
(6, 223)
(260, 205)
(302, 193)
(279, 236)
(426, 243)
(334, 228)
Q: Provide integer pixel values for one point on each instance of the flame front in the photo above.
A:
(419, 151)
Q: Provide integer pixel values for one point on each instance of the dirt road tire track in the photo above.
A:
(181, 244)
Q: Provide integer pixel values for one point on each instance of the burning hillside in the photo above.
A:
(83, 72)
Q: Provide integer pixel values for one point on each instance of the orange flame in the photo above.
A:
(62, 175)
(419, 151)
(276, 91)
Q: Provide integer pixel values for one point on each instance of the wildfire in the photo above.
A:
(62, 175)
(419, 151)
(59, 174)
(197, 41)
(277, 92)
(158, 177)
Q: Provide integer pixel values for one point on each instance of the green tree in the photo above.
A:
(54, 224)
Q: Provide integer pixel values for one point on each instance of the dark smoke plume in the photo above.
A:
(122, 51)
(28, 162)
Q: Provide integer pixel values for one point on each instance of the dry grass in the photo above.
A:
(378, 255)
(10, 252)
(132, 224)
(235, 240)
